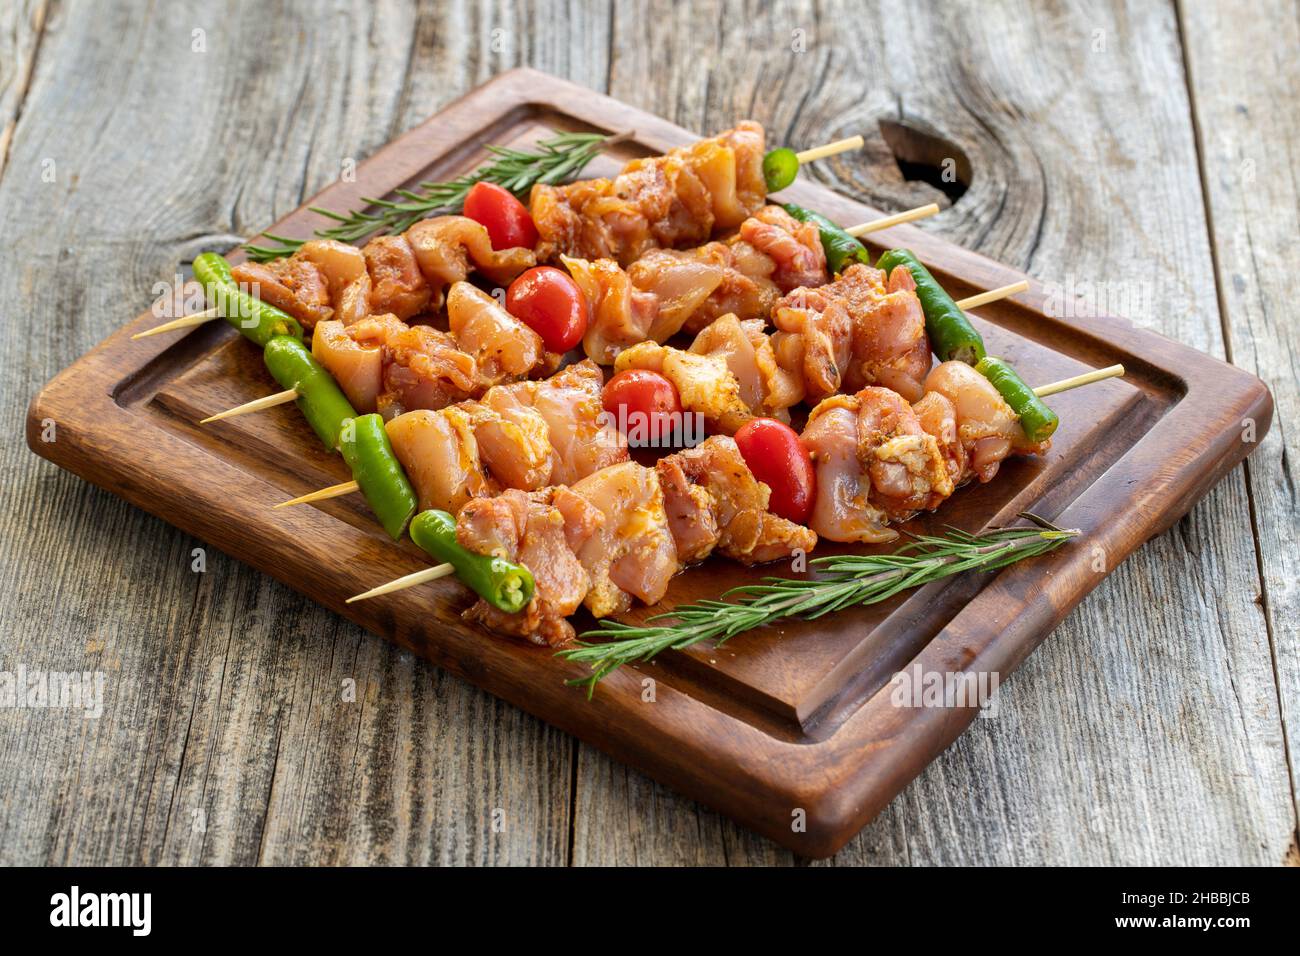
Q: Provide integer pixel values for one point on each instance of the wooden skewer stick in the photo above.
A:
(830, 149)
(184, 322)
(408, 581)
(1087, 378)
(897, 219)
(992, 295)
(320, 494)
(270, 401)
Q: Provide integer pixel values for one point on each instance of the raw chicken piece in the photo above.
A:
(649, 301)
(441, 457)
(705, 385)
(795, 247)
(530, 529)
(875, 463)
(842, 510)
(908, 471)
(447, 247)
(987, 428)
(813, 340)
(583, 438)
(746, 289)
(339, 264)
(293, 285)
(890, 347)
(503, 347)
(938, 416)
(358, 366)
(423, 367)
(766, 389)
(353, 303)
(667, 201)
(713, 501)
(513, 440)
(397, 285)
(632, 555)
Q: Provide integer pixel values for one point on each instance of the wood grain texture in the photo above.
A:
(1074, 179)
(226, 686)
(1249, 141)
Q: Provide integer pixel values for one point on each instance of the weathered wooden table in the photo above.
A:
(1141, 158)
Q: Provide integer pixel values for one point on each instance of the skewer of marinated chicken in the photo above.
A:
(385, 365)
(620, 533)
(667, 291)
(401, 275)
(863, 328)
(523, 435)
(670, 201)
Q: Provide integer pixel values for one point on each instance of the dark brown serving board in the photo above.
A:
(780, 725)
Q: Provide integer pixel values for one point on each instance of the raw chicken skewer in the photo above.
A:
(718, 172)
(619, 533)
(863, 328)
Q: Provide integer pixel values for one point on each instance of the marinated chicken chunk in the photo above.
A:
(448, 247)
(667, 201)
(543, 534)
(766, 388)
(875, 463)
(714, 502)
(987, 429)
(440, 454)
(292, 285)
(385, 365)
(858, 330)
(503, 348)
(397, 284)
(632, 554)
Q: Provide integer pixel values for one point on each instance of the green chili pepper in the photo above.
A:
(780, 167)
(319, 397)
(951, 334)
(1037, 420)
(507, 587)
(841, 248)
(254, 318)
(365, 447)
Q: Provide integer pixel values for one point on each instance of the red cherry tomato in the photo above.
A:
(644, 404)
(505, 218)
(550, 303)
(777, 457)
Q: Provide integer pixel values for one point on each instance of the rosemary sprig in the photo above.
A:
(558, 158)
(844, 581)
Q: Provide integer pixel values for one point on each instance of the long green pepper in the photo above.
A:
(320, 399)
(367, 450)
(505, 585)
(952, 336)
(254, 318)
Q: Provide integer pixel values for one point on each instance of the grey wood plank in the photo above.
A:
(225, 738)
(1249, 134)
(21, 28)
(1147, 728)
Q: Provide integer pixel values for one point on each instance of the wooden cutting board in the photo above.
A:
(791, 729)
